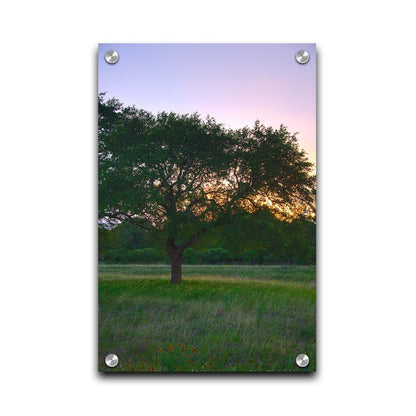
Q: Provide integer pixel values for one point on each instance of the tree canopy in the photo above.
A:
(180, 175)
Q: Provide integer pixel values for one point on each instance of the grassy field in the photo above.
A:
(220, 319)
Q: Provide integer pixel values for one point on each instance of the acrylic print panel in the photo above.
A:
(206, 161)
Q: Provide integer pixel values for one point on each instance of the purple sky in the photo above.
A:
(234, 83)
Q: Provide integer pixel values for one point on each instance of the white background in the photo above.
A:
(367, 90)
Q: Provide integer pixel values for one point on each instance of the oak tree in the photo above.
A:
(180, 175)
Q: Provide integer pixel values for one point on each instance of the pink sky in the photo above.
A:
(234, 83)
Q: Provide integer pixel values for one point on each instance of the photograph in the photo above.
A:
(207, 208)
(194, 208)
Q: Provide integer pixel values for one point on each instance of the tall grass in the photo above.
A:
(220, 319)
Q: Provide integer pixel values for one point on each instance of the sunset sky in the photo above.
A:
(234, 83)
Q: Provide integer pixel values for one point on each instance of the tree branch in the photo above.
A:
(192, 239)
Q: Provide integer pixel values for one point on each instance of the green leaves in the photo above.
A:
(182, 174)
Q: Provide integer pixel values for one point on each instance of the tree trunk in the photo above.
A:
(175, 254)
(176, 267)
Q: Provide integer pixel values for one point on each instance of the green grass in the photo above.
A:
(220, 319)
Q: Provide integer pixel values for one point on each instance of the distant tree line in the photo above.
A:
(249, 238)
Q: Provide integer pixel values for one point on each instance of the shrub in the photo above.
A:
(216, 256)
(144, 255)
(271, 260)
(139, 256)
(253, 257)
(191, 256)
